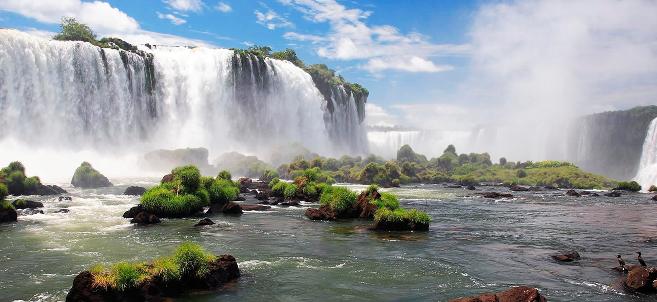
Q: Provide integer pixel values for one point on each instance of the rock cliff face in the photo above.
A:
(611, 143)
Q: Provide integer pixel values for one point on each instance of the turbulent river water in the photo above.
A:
(474, 245)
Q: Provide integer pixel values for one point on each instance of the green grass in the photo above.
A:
(6, 205)
(162, 201)
(338, 198)
(387, 200)
(188, 259)
(222, 191)
(385, 214)
(189, 177)
(632, 186)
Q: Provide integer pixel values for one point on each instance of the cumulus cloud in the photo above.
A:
(377, 116)
(223, 7)
(271, 19)
(383, 46)
(185, 5)
(175, 20)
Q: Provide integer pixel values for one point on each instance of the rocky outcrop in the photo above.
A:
(87, 177)
(254, 207)
(8, 215)
(322, 213)
(44, 190)
(573, 193)
(654, 198)
(641, 279)
(20, 204)
(517, 188)
(401, 225)
(568, 256)
(221, 271)
(134, 191)
(515, 294)
(145, 218)
(613, 194)
(204, 221)
(496, 195)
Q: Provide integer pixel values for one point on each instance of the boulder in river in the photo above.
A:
(515, 294)
(231, 208)
(8, 214)
(471, 188)
(652, 188)
(517, 188)
(145, 218)
(568, 256)
(87, 177)
(204, 221)
(573, 193)
(496, 195)
(640, 279)
(322, 213)
(134, 190)
(613, 194)
(26, 204)
(654, 198)
(254, 207)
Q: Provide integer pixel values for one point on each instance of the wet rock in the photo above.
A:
(8, 215)
(613, 194)
(26, 204)
(132, 212)
(44, 190)
(515, 294)
(654, 198)
(145, 218)
(568, 256)
(322, 213)
(254, 207)
(262, 195)
(573, 193)
(517, 188)
(471, 188)
(594, 194)
(638, 279)
(62, 211)
(245, 184)
(364, 206)
(496, 195)
(289, 203)
(403, 225)
(65, 198)
(223, 270)
(453, 186)
(535, 189)
(652, 188)
(29, 211)
(232, 208)
(87, 177)
(204, 221)
(135, 191)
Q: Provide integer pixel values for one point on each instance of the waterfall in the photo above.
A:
(70, 96)
(647, 175)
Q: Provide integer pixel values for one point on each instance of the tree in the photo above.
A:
(502, 161)
(72, 30)
(450, 149)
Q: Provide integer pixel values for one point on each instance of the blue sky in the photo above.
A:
(429, 64)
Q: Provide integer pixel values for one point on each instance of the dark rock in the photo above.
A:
(323, 213)
(254, 207)
(62, 211)
(652, 188)
(289, 203)
(26, 204)
(87, 177)
(471, 188)
(638, 279)
(263, 195)
(8, 215)
(568, 256)
(132, 212)
(584, 193)
(496, 195)
(613, 194)
(594, 194)
(364, 207)
(205, 221)
(223, 270)
(29, 211)
(403, 225)
(535, 189)
(654, 198)
(517, 188)
(48, 190)
(573, 193)
(453, 186)
(145, 218)
(515, 294)
(230, 208)
(245, 184)
(135, 191)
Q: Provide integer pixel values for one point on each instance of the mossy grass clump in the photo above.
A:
(222, 191)
(631, 186)
(339, 199)
(17, 183)
(86, 176)
(189, 259)
(387, 200)
(401, 219)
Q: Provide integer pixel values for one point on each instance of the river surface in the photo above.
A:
(474, 245)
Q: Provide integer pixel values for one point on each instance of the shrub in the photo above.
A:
(268, 175)
(223, 191)
(191, 258)
(166, 268)
(290, 191)
(163, 202)
(224, 174)
(127, 275)
(338, 198)
(632, 186)
(387, 200)
(279, 188)
(189, 177)
(273, 182)
(401, 215)
(3, 191)
(72, 30)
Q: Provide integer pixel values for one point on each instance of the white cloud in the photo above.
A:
(271, 20)
(223, 7)
(383, 46)
(186, 5)
(377, 116)
(175, 20)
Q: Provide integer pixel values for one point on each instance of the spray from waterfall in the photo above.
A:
(647, 175)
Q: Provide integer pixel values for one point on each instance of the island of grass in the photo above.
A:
(450, 167)
(384, 208)
(17, 183)
(185, 193)
(189, 268)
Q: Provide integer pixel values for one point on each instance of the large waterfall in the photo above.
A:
(62, 97)
(647, 175)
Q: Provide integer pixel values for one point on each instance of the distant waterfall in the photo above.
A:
(647, 175)
(73, 96)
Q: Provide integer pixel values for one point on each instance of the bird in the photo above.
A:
(643, 263)
(621, 262)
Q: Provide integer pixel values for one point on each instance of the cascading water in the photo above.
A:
(75, 100)
(647, 175)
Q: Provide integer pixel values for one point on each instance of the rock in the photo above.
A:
(262, 195)
(26, 204)
(86, 176)
(323, 213)
(62, 211)
(8, 215)
(135, 191)
(167, 178)
(496, 195)
(652, 188)
(29, 211)
(223, 270)
(638, 279)
(245, 184)
(594, 194)
(515, 294)
(573, 193)
(403, 225)
(145, 218)
(62, 198)
(654, 198)
(204, 221)
(48, 190)
(471, 188)
(289, 203)
(254, 207)
(535, 189)
(453, 186)
(613, 194)
(132, 212)
(232, 208)
(517, 188)
(568, 256)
